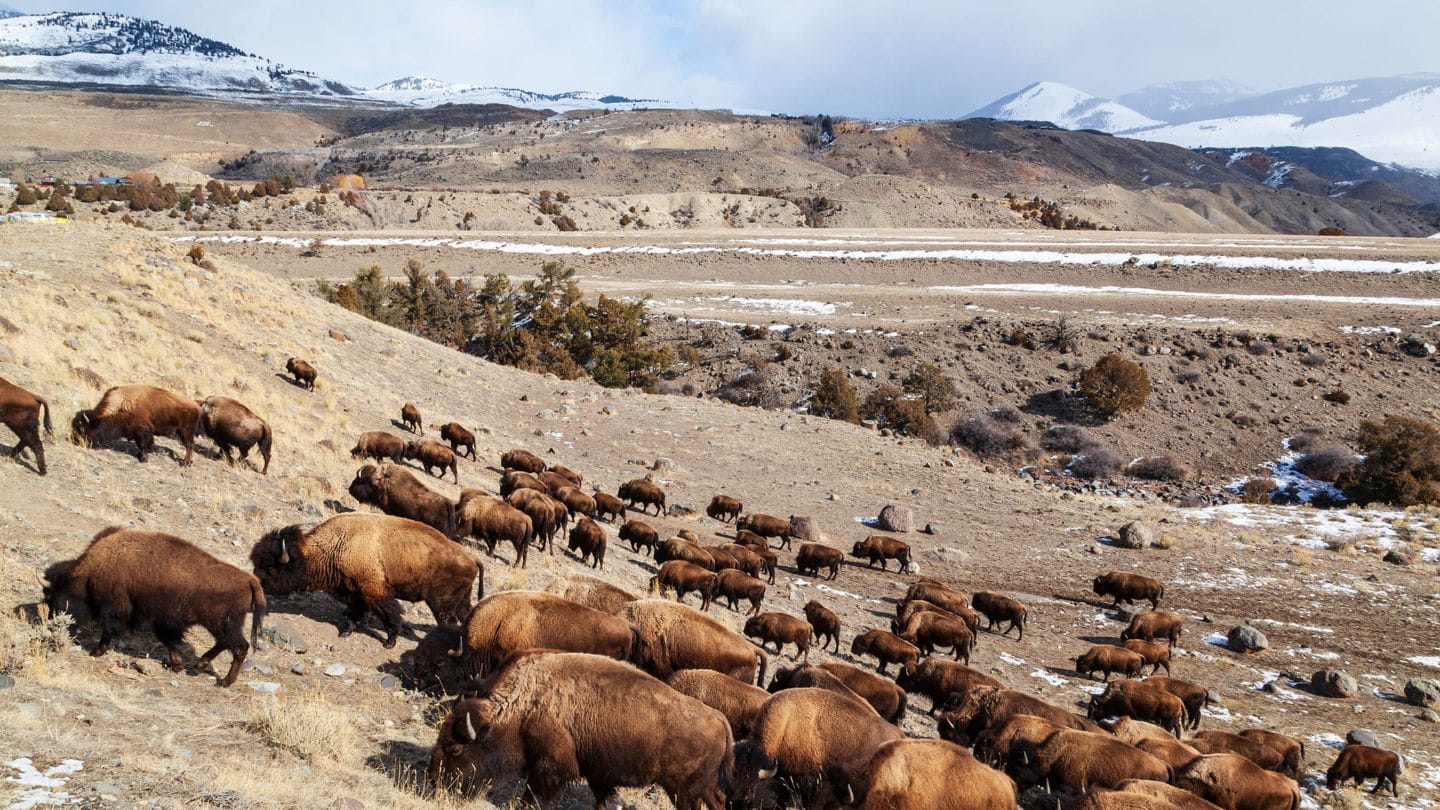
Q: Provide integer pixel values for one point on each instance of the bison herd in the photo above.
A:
(591, 682)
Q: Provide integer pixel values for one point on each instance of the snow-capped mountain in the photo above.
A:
(420, 91)
(1173, 102)
(115, 49)
(1066, 107)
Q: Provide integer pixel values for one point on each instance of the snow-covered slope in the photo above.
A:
(1174, 102)
(116, 49)
(420, 91)
(1066, 107)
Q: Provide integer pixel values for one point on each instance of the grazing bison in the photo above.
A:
(303, 372)
(588, 539)
(1142, 701)
(608, 506)
(576, 501)
(645, 493)
(433, 455)
(735, 585)
(994, 746)
(576, 479)
(379, 445)
(825, 622)
(458, 436)
(1129, 588)
(233, 426)
(492, 521)
(522, 460)
(987, 707)
(1193, 695)
(434, 666)
(139, 413)
(21, 411)
(739, 702)
(941, 680)
(592, 592)
(512, 622)
(765, 526)
(1143, 794)
(369, 562)
(617, 727)
(547, 515)
(1081, 760)
(519, 479)
(879, 548)
(1151, 739)
(724, 508)
(1225, 742)
(555, 481)
(1109, 659)
(1361, 762)
(805, 676)
(1155, 655)
(745, 558)
(1153, 624)
(684, 577)
(639, 535)
(888, 699)
(998, 608)
(887, 648)
(677, 548)
(1235, 783)
(1291, 749)
(936, 594)
(781, 629)
(906, 610)
(928, 630)
(394, 491)
(674, 637)
(128, 576)
(928, 775)
(410, 417)
(814, 556)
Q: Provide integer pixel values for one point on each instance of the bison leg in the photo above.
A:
(144, 443)
(522, 552)
(390, 614)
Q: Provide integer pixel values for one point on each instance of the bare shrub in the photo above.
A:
(1306, 441)
(1097, 461)
(1066, 439)
(1114, 385)
(899, 350)
(1314, 360)
(1243, 419)
(1258, 348)
(1339, 396)
(1257, 490)
(309, 725)
(755, 386)
(986, 436)
(1158, 468)
(1343, 543)
(1401, 464)
(1063, 336)
(1188, 375)
(1326, 463)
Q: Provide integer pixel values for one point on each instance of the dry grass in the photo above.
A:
(310, 725)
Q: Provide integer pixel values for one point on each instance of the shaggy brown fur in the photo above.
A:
(303, 372)
(1361, 762)
(887, 648)
(639, 535)
(458, 436)
(808, 677)
(559, 717)
(139, 413)
(1235, 783)
(998, 608)
(1292, 750)
(576, 479)
(941, 680)
(1156, 795)
(1109, 659)
(813, 556)
(511, 622)
(1152, 739)
(20, 411)
(826, 623)
(1126, 587)
(939, 595)
(433, 455)
(993, 746)
(492, 521)
(608, 506)
(744, 557)
(395, 491)
(1222, 742)
(929, 775)
(370, 562)
(769, 559)
(724, 508)
(128, 576)
(983, 707)
(522, 460)
(684, 577)
(678, 548)
(888, 699)
(592, 592)
(547, 515)
(519, 479)
(643, 493)
(928, 630)
(723, 559)
(781, 629)
(379, 445)
(555, 481)
(1080, 760)
(765, 526)
(1155, 655)
(1153, 624)
(735, 585)
(1194, 696)
(410, 417)
(914, 607)
(739, 702)
(579, 504)
(674, 637)
(435, 668)
(879, 548)
(232, 426)
(1141, 700)
(588, 539)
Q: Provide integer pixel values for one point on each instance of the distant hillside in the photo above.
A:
(419, 91)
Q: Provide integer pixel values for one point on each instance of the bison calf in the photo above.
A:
(458, 436)
(879, 548)
(814, 556)
(588, 539)
(639, 535)
(724, 508)
(433, 455)
(303, 372)
(887, 648)
(608, 506)
(781, 629)
(20, 411)
(826, 623)
(231, 425)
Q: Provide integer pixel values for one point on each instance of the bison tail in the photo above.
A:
(265, 442)
(45, 412)
(764, 660)
(258, 609)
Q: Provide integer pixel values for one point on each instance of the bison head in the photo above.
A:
(61, 592)
(860, 645)
(473, 748)
(81, 427)
(434, 667)
(363, 488)
(860, 548)
(279, 560)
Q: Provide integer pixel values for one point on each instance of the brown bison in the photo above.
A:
(592, 592)
(994, 746)
(555, 481)
(928, 630)
(814, 556)
(928, 775)
(879, 548)
(617, 727)
(1142, 701)
(888, 699)
(432, 455)
(459, 436)
(303, 372)
(938, 595)
(608, 506)
(781, 629)
(21, 411)
(139, 413)
(547, 515)
(1109, 659)
(369, 562)
(1235, 783)
(434, 666)
(410, 417)
(1153, 624)
(805, 676)
(587, 539)
(684, 577)
(576, 479)
(986, 707)
(519, 479)
(765, 526)
(128, 576)
(231, 425)
(887, 648)
(1151, 739)
(492, 521)
(941, 681)
(1361, 762)
(576, 501)
(394, 491)
(724, 508)
(998, 608)
(674, 637)
(639, 535)
(644, 493)
(1143, 794)
(1193, 695)
(511, 622)
(825, 622)
(739, 702)
(968, 617)
(1292, 750)
(1223, 742)
(522, 460)
(1126, 587)
(1155, 655)
(744, 558)
(379, 445)
(677, 548)
(734, 585)
(1081, 760)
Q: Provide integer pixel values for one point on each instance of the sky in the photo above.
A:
(865, 58)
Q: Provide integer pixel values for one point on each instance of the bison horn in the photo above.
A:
(284, 555)
(469, 728)
(40, 578)
(849, 796)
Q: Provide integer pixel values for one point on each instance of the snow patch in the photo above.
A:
(43, 788)
(1049, 677)
(1426, 660)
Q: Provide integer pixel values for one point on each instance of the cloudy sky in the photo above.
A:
(873, 58)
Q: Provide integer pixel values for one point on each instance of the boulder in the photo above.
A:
(806, 529)
(1135, 535)
(895, 518)
(1334, 684)
(1360, 736)
(1423, 692)
(1246, 639)
(1395, 557)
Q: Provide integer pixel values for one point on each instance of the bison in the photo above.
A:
(674, 637)
(1153, 624)
(887, 648)
(739, 702)
(825, 622)
(1361, 762)
(1193, 695)
(592, 592)
(928, 775)
(644, 493)
(639, 535)
(724, 508)
(765, 526)
(936, 594)
(1109, 659)
(998, 608)
(410, 417)
(1129, 588)
(888, 699)
(492, 521)
(677, 548)
(434, 666)
(1222, 742)
(781, 629)
(684, 577)
(21, 411)
(928, 630)
(231, 425)
(379, 445)
(986, 707)
(879, 548)
(394, 491)
(617, 727)
(128, 576)
(608, 506)
(512, 622)
(303, 372)
(1235, 783)
(806, 676)
(1292, 750)
(1151, 739)
(1155, 655)
(1083, 759)
(432, 455)
(994, 746)
(519, 479)
(459, 436)
(735, 585)
(369, 562)
(1141, 701)
(139, 413)
(522, 460)
(813, 556)
(966, 616)
(941, 680)
(547, 515)
(576, 501)
(745, 558)
(576, 479)
(588, 539)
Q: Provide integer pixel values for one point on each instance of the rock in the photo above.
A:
(1360, 736)
(106, 788)
(6, 681)
(146, 666)
(389, 682)
(1430, 716)
(33, 711)
(911, 567)
(1246, 639)
(347, 804)
(545, 414)
(806, 528)
(1417, 346)
(1135, 535)
(682, 509)
(72, 343)
(1396, 557)
(663, 464)
(609, 410)
(340, 336)
(895, 518)
(1423, 692)
(335, 670)
(283, 634)
(6, 356)
(1333, 683)
(931, 528)
(265, 687)
(300, 669)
